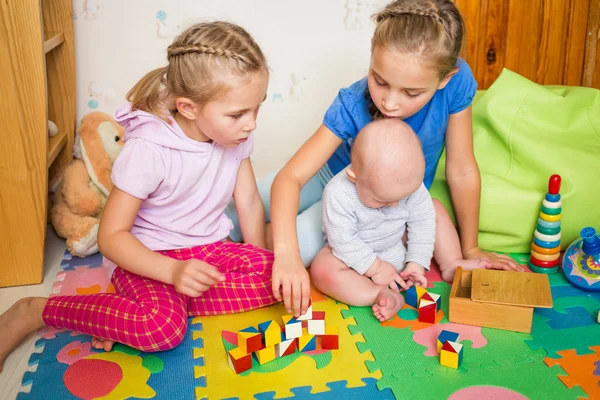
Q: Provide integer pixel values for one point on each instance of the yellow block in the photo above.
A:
(331, 330)
(550, 218)
(449, 359)
(265, 355)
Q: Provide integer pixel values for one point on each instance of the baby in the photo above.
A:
(368, 210)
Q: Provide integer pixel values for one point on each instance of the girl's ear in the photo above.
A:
(446, 79)
(186, 107)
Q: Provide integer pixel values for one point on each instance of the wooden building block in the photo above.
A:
(436, 298)
(250, 340)
(316, 326)
(427, 311)
(445, 336)
(286, 347)
(271, 333)
(451, 354)
(330, 340)
(308, 314)
(239, 361)
(293, 327)
(307, 342)
(413, 295)
(265, 355)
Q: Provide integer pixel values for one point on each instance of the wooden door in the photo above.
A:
(551, 42)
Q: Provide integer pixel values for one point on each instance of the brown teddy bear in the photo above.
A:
(80, 191)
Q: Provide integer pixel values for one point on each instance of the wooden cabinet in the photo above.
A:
(551, 42)
(38, 83)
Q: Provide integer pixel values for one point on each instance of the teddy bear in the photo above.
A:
(79, 193)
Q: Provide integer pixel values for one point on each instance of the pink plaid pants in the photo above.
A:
(152, 316)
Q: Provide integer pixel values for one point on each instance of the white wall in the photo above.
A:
(313, 47)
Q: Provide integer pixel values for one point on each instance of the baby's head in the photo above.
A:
(216, 78)
(387, 163)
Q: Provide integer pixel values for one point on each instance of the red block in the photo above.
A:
(427, 311)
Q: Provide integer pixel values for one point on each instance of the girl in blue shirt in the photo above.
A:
(415, 75)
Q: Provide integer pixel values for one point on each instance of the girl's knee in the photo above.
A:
(166, 331)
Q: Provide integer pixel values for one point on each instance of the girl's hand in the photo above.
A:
(193, 277)
(291, 284)
(499, 261)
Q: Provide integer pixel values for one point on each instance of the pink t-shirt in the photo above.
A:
(185, 185)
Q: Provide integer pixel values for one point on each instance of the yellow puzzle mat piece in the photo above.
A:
(221, 382)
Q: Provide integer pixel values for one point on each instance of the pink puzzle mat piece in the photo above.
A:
(433, 275)
(428, 336)
(486, 392)
(83, 280)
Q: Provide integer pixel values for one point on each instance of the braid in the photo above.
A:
(180, 50)
(431, 13)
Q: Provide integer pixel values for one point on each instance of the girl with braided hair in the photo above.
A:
(188, 139)
(415, 75)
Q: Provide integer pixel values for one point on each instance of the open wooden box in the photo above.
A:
(498, 299)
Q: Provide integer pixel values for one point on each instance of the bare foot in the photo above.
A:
(474, 263)
(102, 344)
(24, 317)
(387, 304)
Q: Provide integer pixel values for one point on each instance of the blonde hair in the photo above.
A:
(431, 29)
(196, 60)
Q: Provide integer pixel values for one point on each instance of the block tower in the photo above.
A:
(545, 248)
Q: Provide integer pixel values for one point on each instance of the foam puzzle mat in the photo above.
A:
(396, 359)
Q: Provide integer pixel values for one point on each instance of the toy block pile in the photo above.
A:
(428, 304)
(451, 352)
(270, 341)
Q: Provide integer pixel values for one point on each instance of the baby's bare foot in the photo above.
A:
(467, 264)
(387, 304)
(24, 317)
(102, 344)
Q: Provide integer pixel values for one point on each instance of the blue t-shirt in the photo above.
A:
(350, 112)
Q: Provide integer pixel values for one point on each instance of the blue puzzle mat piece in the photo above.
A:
(338, 391)
(574, 318)
(571, 291)
(70, 261)
(174, 381)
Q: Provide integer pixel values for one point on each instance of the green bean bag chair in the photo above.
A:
(523, 133)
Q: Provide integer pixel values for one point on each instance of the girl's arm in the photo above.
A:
(464, 182)
(290, 279)
(249, 206)
(117, 243)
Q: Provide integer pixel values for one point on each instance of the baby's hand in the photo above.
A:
(385, 274)
(414, 274)
(193, 277)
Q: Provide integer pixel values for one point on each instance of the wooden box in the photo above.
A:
(498, 299)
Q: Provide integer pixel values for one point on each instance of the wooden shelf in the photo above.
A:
(55, 145)
(52, 39)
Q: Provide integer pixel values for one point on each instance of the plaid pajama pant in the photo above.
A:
(152, 316)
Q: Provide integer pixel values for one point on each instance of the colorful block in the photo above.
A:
(316, 326)
(330, 340)
(270, 332)
(309, 313)
(436, 298)
(286, 347)
(239, 361)
(265, 355)
(293, 327)
(250, 340)
(446, 336)
(451, 354)
(427, 311)
(307, 342)
(413, 295)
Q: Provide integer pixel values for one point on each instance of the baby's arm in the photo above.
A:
(420, 228)
(249, 206)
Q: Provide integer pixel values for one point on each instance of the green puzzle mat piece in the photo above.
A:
(399, 358)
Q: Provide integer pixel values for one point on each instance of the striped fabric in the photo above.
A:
(152, 316)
